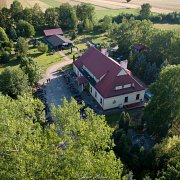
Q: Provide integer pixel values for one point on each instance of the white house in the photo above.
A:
(111, 84)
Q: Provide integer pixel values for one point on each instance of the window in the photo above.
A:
(137, 96)
(91, 89)
(126, 99)
(101, 100)
(95, 94)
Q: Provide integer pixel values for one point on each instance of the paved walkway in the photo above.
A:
(56, 89)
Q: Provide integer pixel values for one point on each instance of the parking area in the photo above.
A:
(56, 90)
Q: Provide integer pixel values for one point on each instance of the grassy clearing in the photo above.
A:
(44, 60)
(167, 26)
(114, 12)
(80, 43)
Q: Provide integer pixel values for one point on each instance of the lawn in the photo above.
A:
(167, 26)
(114, 12)
(44, 60)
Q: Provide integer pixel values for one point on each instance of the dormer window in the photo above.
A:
(118, 87)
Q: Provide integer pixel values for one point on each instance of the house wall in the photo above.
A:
(113, 102)
(76, 70)
(118, 101)
(98, 97)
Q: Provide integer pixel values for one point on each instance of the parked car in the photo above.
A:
(148, 95)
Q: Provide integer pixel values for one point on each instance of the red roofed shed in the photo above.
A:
(50, 32)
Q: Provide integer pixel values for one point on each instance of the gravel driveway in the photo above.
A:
(56, 89)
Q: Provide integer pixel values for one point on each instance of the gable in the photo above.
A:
(122, 72)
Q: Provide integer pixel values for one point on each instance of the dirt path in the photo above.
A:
(52, 69)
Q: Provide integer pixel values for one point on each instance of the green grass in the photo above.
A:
(114, 12)
(51, 3)
(44, 60)
(167, 26)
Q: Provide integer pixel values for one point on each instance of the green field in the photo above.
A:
(167, 26)
(114, 12)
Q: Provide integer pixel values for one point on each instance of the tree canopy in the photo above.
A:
(145, 11)
(68, 16)
(14, 82)
(167, 158)
(163, 110)
(70, 148)
(22, 46)
(3, 35)
(25, 29)
(31, 69)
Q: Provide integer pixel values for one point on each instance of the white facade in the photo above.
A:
(116, 101)
(119, 101)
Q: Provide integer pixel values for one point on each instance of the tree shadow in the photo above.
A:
(11, 63)
(35, 55)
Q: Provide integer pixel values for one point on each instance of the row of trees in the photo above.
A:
(22, 22)
(145, 13)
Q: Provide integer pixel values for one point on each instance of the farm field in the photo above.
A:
(167, 26)
(158, 6)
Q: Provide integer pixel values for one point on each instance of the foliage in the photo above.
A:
(90, 138)
(25, 29)
(67, 16)
(42, 47)
(131, 32)
(31, 69)
(87, 25)
(163, 110)
(4, 57)
(79, 148)
(3, 35)
(106, 23)
(51, 17)
(145, 11)
(22, 46)
(85, 14)
(167, 159)
(14, 82)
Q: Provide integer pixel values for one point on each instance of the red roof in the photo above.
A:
(50, 32)
(107, 69)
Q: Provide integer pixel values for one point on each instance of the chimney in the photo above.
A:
(124, 63)
(105, 51)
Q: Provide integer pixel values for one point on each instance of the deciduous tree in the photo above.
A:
(67, 16)
(22, 46)
(25, 29)
(163, 110)
(145, 11)
(3, 35)
(14, 82)
(31, 69)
